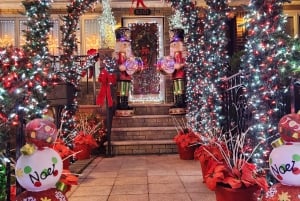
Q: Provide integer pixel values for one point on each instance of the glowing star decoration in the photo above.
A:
(284, 196)
(19, 173)
(39, 171)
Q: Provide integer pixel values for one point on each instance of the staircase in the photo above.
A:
(150, 131)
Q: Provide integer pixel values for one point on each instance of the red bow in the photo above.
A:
(106, 79)
(91, 52)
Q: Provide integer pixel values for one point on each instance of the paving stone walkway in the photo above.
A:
(139, 178)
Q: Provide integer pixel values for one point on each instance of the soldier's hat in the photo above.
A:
(176, 34)
(122, 34)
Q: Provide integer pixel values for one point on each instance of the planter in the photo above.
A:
(13, 192)
(66, 164)
(239, 194)
(85, 151)
(204, 169)
(186, 153)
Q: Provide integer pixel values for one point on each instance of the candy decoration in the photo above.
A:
(131, 65)
(166, 65)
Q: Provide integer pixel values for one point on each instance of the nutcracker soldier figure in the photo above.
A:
(174, 65)
(127, 66)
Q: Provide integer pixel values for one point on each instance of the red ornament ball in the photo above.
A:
(41, 132)
(289, 128)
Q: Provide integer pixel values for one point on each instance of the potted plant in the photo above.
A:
(64, 151)
(186, 140)
(229, 171)
(84, 142)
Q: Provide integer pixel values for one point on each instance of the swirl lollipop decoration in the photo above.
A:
(166, 65)
(132, 65)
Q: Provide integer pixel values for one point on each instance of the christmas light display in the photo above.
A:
(264, 55)
(25, 72)
(70, 71)
(207, 62)
(175, 20)
(215, 65)
(36, 50)
(107, 24)
(193, 25)
(293, 69)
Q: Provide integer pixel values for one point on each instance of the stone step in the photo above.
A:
(135, 147)
(143, 133)
(148, 120)
(151, 109)
(91, 109)
(149, 131)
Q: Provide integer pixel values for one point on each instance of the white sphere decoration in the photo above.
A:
(40, 170)
(284, 164)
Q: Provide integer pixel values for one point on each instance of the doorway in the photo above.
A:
(148, 86)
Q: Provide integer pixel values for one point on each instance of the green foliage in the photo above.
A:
(3, 180)
(294, 57)
(235, 62)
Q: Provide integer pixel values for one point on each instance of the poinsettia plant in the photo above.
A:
(62, 149)
(86, 139)
(88, 131)
(186, 137)
(227, 164)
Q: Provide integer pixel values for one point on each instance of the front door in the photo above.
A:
(147, 43)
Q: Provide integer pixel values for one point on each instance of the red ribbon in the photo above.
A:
(106, 79)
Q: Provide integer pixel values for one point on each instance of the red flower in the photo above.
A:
(202, 155)
(250, 176)
(215, 174)
(233, 178)
(224, 167)
(87, 139)
(187, 138)
(63, 150)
